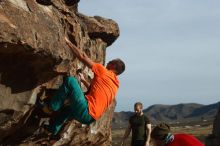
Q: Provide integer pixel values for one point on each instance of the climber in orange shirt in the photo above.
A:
(90, 107)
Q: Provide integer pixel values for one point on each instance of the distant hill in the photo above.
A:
(172, 113)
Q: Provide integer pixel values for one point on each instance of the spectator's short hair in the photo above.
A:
(160, 132)
(138, 104)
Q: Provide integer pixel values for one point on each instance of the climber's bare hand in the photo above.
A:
(81, 76)
(69, 43)
(67, 40)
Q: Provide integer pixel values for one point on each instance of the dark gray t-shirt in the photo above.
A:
(138, 126)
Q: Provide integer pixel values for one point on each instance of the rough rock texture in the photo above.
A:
(214, 138)
(33, 53)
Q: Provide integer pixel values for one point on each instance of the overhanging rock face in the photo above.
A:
(33, 53)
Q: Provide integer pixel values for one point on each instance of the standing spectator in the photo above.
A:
(140, 126)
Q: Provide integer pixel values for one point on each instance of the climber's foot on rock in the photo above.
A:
(47, 110)
(44, 2)
(54, 138)
(41, 134)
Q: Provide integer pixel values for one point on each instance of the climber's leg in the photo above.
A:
(58, 121)
(70, 87)
(78, 103)
(80, 111)
(78, 108)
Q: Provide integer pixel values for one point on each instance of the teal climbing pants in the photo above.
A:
(77, 109)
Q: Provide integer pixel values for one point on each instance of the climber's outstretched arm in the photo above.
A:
(80, 54)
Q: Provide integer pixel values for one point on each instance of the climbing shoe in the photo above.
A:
(47, 110)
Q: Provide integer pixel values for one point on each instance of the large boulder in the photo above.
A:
(33, 53)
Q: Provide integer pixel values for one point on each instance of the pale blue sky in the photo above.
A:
(171, 49)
